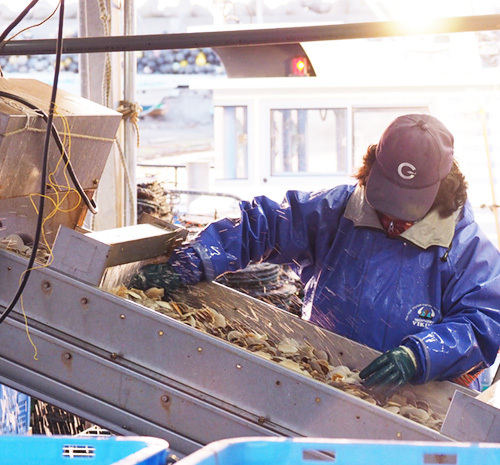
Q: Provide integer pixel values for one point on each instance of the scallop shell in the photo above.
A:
(287, 346)
(392, 408)
(155, 293)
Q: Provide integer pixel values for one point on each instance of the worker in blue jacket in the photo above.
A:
(396, 262)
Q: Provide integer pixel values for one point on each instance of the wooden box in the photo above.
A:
(87, 130)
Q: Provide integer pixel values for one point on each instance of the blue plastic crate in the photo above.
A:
(82, 450)
(288, 451)
(15, 410)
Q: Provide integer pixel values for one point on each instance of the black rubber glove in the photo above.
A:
(387, 373)
(160, 275)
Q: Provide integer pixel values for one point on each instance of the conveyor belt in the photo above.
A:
(135, 371)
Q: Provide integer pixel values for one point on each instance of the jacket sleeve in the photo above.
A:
(467, 339)
(277, 233)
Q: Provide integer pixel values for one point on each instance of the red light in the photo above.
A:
(299, 66)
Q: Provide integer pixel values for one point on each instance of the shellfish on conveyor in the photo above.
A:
(300, 357)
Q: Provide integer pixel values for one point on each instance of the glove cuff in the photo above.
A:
(412, 356)
(412, 348)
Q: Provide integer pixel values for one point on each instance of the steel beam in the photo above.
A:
(241, 38)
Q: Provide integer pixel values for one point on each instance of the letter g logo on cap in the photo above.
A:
(407, 170)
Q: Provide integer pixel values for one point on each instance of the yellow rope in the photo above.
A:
(77, 136)
(32, 115)
(35, 355)
(58, 189)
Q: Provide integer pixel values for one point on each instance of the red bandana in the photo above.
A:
(393, 228)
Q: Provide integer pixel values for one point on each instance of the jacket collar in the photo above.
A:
(430, 230)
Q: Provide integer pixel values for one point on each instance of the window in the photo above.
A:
(308, 141)
(231, 142)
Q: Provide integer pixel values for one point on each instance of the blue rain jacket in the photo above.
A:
(435, 288)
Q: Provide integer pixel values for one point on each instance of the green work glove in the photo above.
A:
(162, 275)
(387, 373)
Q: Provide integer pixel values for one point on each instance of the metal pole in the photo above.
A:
(130, 136)
(252, 37)
(84, 58)
(259, 12)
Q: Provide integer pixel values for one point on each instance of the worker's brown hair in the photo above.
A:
(452, 192)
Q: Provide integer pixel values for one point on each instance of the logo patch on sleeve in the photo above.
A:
(422, 315)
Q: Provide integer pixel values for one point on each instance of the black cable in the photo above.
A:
(55, 134)
(16, 22)
(43, 187)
